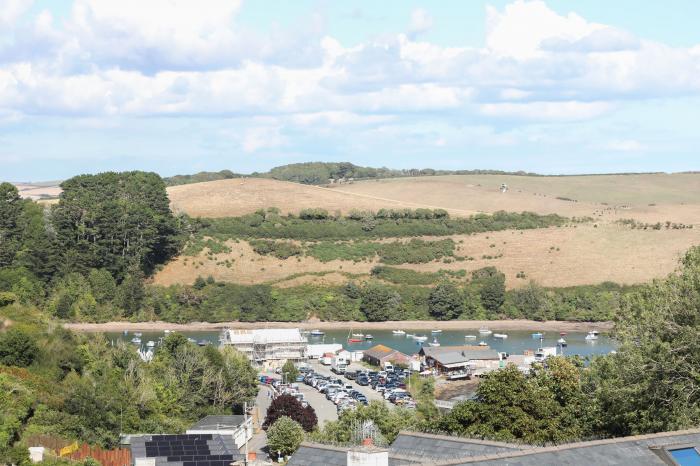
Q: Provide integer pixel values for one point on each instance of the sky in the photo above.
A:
(174, 86)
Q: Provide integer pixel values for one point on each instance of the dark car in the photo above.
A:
(350, 375)
(364, 381)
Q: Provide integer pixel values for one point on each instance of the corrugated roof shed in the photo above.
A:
(433, 350)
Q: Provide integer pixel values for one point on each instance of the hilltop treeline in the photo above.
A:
(318, 173)
(200, 177)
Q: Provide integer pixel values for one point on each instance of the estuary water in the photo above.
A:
(517, 342)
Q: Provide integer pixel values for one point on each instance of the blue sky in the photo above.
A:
(181, 86)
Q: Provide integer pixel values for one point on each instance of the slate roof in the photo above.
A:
(428, 446)
(637, 450)
(411, 448)
(218, 422)
(379, 351)
(312, 454)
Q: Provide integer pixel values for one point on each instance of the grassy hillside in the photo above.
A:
(603, 249)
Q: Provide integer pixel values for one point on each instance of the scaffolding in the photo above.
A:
(268, 347)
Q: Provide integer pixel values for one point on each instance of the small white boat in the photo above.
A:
(137, 334)
(151, 343)
(420, 338)
(369, 337)
(436, 331)
(470, 337)
(167, 331)
(358, 335)
(191, 340)
(485, 331)
(136, 340)
(434, 342)
(538, 335)
(317, 333)
(592, 335)
(561, 342)
(483, 343)
(126, 332)
(502, 336)
(410, 335)
(398, 332)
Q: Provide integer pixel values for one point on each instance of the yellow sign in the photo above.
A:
(69, 449)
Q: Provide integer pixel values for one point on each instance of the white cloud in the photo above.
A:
(547, 111)
(12, 10)
(421, 21)
(520, 29)
(627, 145)
(176, 57)
(262, 137)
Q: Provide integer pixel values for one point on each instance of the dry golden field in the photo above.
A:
(227, 198)
(584, 254)
(552, 257)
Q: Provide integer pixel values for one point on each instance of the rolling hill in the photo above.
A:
(602, 249)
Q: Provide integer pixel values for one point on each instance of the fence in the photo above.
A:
(117, 457)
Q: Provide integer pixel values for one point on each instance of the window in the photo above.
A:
(685, 456)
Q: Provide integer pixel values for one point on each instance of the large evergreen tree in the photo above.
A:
(115, 221)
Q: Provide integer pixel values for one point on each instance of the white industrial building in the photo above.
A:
(269, 347)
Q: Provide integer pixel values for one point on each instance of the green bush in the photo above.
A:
(279, 249)
(284, 436)
(416, 251)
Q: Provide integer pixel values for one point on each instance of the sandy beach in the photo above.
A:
(551, 325)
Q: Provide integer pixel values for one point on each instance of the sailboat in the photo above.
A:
(435, 342)
(398, 332)
(352, 338)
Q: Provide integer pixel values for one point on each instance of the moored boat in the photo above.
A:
(434, 342)
(151, 343)
(136, 340)
(561, 342)
(358, 335)
(420, 338)
(436, 331)
(592, 335)
(483, 343)
(538, 335)
(485, 331)
(317, 333)
(502, 336)
(369, 336)
(398, 332)
(470, 337)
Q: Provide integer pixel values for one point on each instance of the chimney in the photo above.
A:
(365, 457)
(368, 455)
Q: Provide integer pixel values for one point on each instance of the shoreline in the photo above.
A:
(550, 325)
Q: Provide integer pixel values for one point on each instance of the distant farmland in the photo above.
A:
(600, 250)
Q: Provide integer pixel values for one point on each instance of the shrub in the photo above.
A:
(279, 249)
(290, 407)
(17, 348)
(284, 437)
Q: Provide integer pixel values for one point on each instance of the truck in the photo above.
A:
(339, 364)
(389, 367)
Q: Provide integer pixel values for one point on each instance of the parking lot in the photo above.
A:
(349, 393)
(365, 390)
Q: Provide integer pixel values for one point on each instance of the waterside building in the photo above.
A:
(270, 347)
